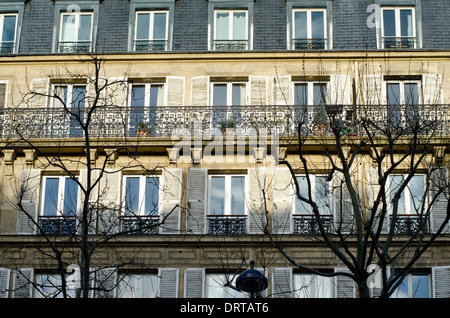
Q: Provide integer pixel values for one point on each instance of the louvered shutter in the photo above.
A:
(172, 187)
(257, 182)
(432, 89)
(29, 191)
(197, 189)
(199, 91)
(343, 210)
(175, 91)
(168, 282)
(282, 200)
(344, 285)
(105, 282)
(258, 90)
(373, 189)
(117, 92)
(109, 213)
(282, 282)
(4, 282)
(373, 91)
(39, 92)
(282, 90)
(439, 179)
(194, 282)
(340, 90)
(440, 276)
(3, 95)
(377, 288)
(23, 283)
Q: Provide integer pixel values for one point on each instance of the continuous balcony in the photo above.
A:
(165, 121)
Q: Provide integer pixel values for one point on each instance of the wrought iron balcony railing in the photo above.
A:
(230, 45)
(168, 121)
(309, 44)
(410, 224)
(227, 224)
(7, 47)
(58, 225)
(140, 225)
(308, 225)
(150, 46)
(74, 47)
(403, 42)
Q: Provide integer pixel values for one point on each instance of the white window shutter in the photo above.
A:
(344, 285)
(440, 276)
(30, 181)
(282, 282)
(22, 283)
(39, 92)
(172, 190)
(432, 89)
(342, 205)
(197, 197)
(258, 90)
(5, 274)
(194, 283)
(282, 90)
(257, 182)
(110, 194)
(373, 90)
(373, 188)
(175, 91)
(93, 198)
(340, 90)
(200, 91)
(117, 92)
(168, 282)
(106, 282)
(282, 200)
(439, 179)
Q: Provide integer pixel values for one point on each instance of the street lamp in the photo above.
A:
(251, 281)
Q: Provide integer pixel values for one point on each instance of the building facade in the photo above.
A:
(196, 103)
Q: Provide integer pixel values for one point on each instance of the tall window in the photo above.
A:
(59, 196)
(226, 96)
(138, 286)
(230, 30)
(8, 26)
(144, 100)
(142, 195)
(151, 31)
(313, 286)
(215, 286)
(310, 100)
(320, 191)
(414, 286)
(75, 35)
(68, 98)
(402, 102)
(309, 29)
(412, 197)
(399, 30)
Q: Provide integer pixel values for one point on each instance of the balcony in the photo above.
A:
(404, 42)
(58, 225)
(308, 225)
(206, 121)
(406, 224)
(140, 225)
(150, 46)
(309, 44)
(74, 47)
(7, 47)
(230, 45)
(227, 224)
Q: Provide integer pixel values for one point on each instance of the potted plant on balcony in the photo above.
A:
(320, 122)
(228, 126)
(144, 129)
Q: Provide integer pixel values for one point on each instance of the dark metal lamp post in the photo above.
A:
(252, 281)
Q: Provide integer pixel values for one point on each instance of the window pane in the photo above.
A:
(220, 95)
(320, 94)
(138, 96)
(394, 188)
(239, 26)
(132, 196)
(317, 25)
(406, 22)
(159, 26)
(138, 286)
(151, 195)
(417, 188)
(420, 288)
(84, 30)
(70, 197)
(78, 97)
(301, 24)
(156, 95)
(304, 286)
(300, 206)
(301, 94)
(9, 28)
(322, 194)
(217, 195)
(237, 195)
(238, 94)
(325, 287)
(402, 290)
(215, 287)
(68, 28)
(61, 93)
(389, 22)
(51, 196)
(143, 26)
(411, 94)
(222, 26)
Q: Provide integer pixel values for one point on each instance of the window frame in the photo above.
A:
(142, 194)
(77, 16)
(409, 284)
(227, 196)
(60, 194)
(2, 21)
(151, 29)
(314, 281)
(231, 27)
(309, 24)
(14, 7)
(406, 193)
(397, 22)
(313, 177)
